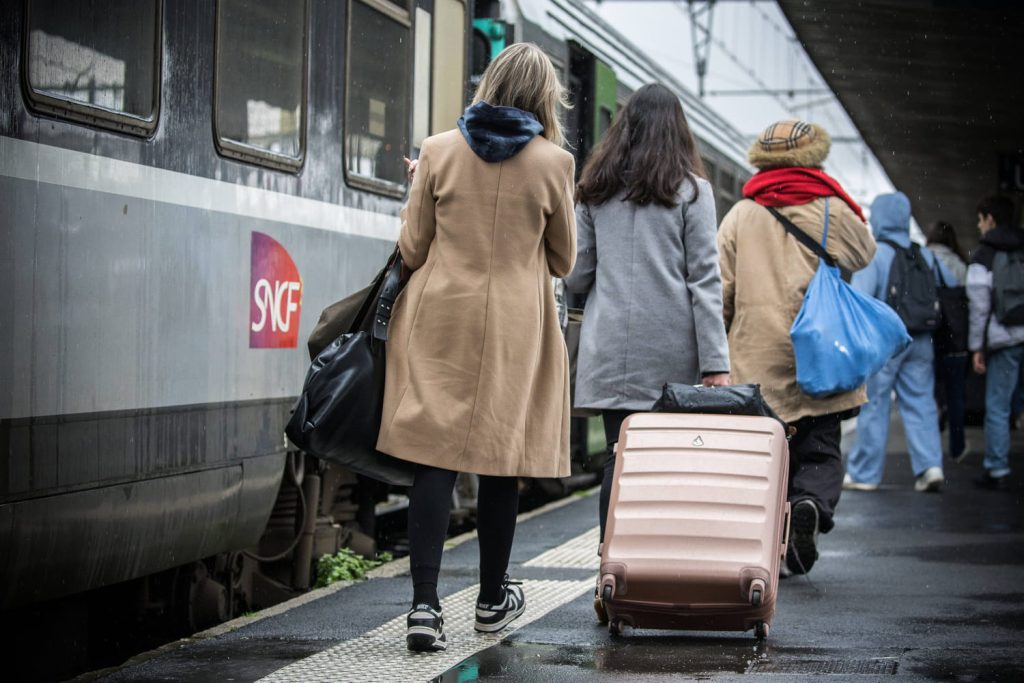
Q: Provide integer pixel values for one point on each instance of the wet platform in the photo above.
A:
(909, 586)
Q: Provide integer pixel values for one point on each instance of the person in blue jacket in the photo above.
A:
(911, 373)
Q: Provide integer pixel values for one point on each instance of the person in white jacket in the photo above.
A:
(997, 345)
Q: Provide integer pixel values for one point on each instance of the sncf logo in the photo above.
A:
(275, 296)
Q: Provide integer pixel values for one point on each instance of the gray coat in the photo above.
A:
(654, 299)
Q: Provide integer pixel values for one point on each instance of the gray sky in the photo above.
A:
(753, 47)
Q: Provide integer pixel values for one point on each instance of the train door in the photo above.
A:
(592, 89)
(605, 98)
(580, 119)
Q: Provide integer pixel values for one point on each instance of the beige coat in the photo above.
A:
(477, 373)
(765, 273)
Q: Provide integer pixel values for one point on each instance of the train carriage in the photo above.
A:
(185, 185)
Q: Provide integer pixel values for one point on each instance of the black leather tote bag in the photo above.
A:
(338, 415)
(737, 399)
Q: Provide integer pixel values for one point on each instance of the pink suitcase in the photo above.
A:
(697, 523)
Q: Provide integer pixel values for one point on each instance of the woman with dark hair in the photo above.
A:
(942, 241)
(647, 261)
(951, 366)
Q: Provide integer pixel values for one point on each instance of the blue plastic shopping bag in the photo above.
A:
(841, 336)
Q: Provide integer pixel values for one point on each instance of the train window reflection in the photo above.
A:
(377, 97)
(261, 80)
(95, 61)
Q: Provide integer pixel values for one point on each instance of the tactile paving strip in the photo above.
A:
(579, 553)
(380, 655)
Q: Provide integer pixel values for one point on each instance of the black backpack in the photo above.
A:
(1008, 287)
(911, 289)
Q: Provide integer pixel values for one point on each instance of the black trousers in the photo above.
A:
(430, 503)
(815, 463)
(613, 420)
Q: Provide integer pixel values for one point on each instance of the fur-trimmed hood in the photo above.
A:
(790, 143)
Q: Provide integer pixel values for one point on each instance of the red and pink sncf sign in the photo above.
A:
(275, 296)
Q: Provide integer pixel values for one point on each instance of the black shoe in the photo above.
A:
(424, 629)
(803, 537)
(991, 483)
(493, 618)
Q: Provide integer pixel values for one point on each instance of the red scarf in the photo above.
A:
(790, 186)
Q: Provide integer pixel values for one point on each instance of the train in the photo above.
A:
(185, 185)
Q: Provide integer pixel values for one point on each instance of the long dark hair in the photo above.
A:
(648, 152)
(941, 232)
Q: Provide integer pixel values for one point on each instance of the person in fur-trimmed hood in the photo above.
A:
(765, 272)
(910, 373)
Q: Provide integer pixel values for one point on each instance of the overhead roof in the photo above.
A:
(936, 88)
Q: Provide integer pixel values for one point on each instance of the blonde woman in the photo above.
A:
(477, 377)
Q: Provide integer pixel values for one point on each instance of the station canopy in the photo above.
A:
(936, 89)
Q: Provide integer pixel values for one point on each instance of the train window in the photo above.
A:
(709, 172)
(94, 62)
(378, 90)
(727, 181)
(260, 81)
(604, 121)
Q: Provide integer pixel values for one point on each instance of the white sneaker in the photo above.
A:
(931, 480)
(493, 618)
(850, 485)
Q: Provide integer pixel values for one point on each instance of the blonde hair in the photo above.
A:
(523, 77)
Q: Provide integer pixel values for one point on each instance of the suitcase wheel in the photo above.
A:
(606, 593)
(756, 595)
(760, 630)
(616, 627)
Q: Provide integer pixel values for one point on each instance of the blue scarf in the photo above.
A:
(498, 133)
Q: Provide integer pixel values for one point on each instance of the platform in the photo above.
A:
(909, 587)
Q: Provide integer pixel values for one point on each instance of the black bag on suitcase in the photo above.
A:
(338, 415)
(736, 399)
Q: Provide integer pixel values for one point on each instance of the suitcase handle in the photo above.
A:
(785, 531)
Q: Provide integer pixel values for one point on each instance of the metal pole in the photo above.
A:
(302, 568)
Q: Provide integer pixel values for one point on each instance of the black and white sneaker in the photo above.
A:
(493, 618)
(424, 629)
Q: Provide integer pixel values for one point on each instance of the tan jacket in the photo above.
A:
(477, 373)
(765, 273)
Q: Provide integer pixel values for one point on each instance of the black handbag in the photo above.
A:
(951, 336)
(736, 399)
(337, 417)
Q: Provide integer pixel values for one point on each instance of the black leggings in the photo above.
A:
(613, 420)
(430, 503)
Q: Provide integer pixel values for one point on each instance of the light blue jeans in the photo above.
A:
(912, 374)
(1004, 371)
